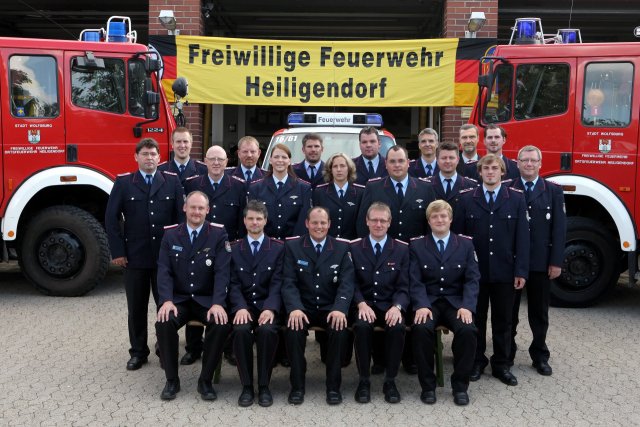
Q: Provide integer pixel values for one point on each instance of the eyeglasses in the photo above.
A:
(534, 161)
(216, 159)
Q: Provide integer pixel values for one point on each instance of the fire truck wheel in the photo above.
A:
(590, 265)
(64, 251)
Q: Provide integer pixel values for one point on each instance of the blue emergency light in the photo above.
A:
(90, 36)
(527, 31)
(118, 31)
(374, 119)
(569, 35)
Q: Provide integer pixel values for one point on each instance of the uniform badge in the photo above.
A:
(208, 262)
(176, 248)
(419, 200)
(334, 266)
(303, 263)
(351, 203)
(227, 246)
(293, 197)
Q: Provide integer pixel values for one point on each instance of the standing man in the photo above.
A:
(547, 223)
(182, 163)
(248, 156)
(254, 296)
(311, 168)
(193, 273)
(496, 217)
(381, 299)
(494, 139)
(370, 163)
(426, 165)
(447, 183)
(317, 290)
(148, 200)
(444, 291)
(468, 139)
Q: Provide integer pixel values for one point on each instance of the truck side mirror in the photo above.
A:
(152, 99)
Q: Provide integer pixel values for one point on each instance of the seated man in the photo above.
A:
(444, 278)
(193, 273)
(317, 289)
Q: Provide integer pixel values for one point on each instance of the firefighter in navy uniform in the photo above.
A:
(496, 217)
(255, 301)
(547, 222)
(447, 183)
(148, 200)
(494, 139)
(310, 169)
(248, 156)
(193, 275)
(426, 165)
(381, 298)
(182, 164)
(370, 163)
(287, 197)
(317, 289)
(340, 195)
(444, 291)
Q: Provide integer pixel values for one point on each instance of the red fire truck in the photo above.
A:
(71, 113)
(580, 104)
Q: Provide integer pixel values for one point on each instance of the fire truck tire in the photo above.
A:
(590, 265)
(64, 251)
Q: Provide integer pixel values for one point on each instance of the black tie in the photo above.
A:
(378, 251)
(491, 200)
(371, 171)
(194, 236)
(149, 179)
(312, 172)
(280, 186)
(318, 249)
(215, 186)
(429, 170)
(255, 245)
(441, 246)
(341, 194)
(400, 193)
(248, 175)
(529, 186)
(182, 168)
(447, 191)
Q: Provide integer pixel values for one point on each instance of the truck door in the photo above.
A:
(606, 130)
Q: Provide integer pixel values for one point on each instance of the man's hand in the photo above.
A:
(366, 313)
(218, 313)
(464, 315)
(422, 315)
(554, 271)
(519, 282)
(297, 318)
(242, 317)
(120, 261)
(337, 320)
(266, 316)
(163, 313)
(393, 316)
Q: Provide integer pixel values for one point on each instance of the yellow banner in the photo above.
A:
(318, 73)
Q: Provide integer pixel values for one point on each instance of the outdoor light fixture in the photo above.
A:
(168, 21)
(475, 24)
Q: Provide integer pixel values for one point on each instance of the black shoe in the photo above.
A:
(391, 393)
(428, 397)
(246, 397)
(363, 392)
(205, 388)
(171, 388)
(377, 369)
(264, 396)
(296, 397)
(136, 363)
(410, 369)
(543, 368)
(189, 358)
(476, 372)
(505, 376)
(334, 397)
(460, 398)
(231, 358)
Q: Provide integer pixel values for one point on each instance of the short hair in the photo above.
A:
(437, 206)
(369, 130)
(256, 206)
(529, 148)
(246, 140)
(379, 206)
(490, 159)
(399, 148)
(196, 193)
(468, 126)
(447, 146)
(428, 131)
(318, 208)
(351, 167)
(181, 129)
(147, 143)
(311, 137)
(494, 126)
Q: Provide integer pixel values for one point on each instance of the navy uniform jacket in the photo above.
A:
(225, 204)
(547, 222)
(287, 210)
(362, 169)
(146, 212)
(192, 168)
(501, 237)
(417, 170)
(343, 214)
(301, 172)
(256, 281)
(471, 170)
(453, 275)
(409, 219)
(461, 185)
(197, 272)
(384, 283)
(311, 283)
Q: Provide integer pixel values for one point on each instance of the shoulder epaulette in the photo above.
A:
(215, 224)
(471, 179)
(229, 168)
(201, 162)
(425, 179)
(192, 177)
(302, 180)
(358, 185)
(471, 162)
(322, 185)
(238, 178)
(124, 174)
(356, 240)
(273, 239)
(167, 227)
(163, 163)
(515, 189)
(235, 242)
(340, 239)
(256, 181)
(401, 241)
(375, 179)
(417, 238)
(465, 236)
(292, 237)
(506, 181)
(169, 173)
(466, 190)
